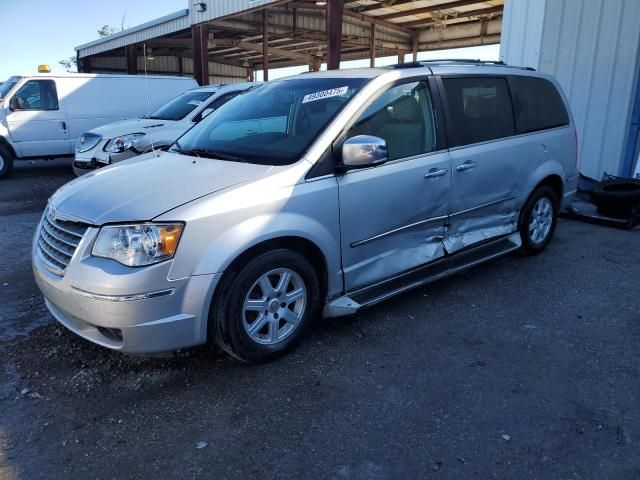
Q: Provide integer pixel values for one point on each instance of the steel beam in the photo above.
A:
(200, 55)
(429, 9)
(131, 56)
(335, 11)
(265, 45)
(471, 13)
(372, 61)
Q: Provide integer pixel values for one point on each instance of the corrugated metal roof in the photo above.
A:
(162, 26)
(221, 8)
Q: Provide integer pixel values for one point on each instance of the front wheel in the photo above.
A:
(538, 220)
(6, 161)
(263, 309)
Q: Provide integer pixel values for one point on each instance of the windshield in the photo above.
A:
(273, 124)
(6, 87)
(181, 106)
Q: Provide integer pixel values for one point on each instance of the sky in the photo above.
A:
(45, 31)
(33, 32)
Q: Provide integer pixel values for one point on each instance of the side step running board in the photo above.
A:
(435, 270)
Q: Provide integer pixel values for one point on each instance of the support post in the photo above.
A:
(335, 11)
(415, 48)
(131, 55)
(400, 57)
(79, 63)
(372, 61)
(200, 55)
(265, 46)
(180, 65)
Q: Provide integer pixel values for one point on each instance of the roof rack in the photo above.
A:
(459, 61)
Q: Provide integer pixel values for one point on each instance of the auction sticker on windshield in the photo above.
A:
(334, 92)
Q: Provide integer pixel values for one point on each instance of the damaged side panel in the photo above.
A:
(488, 182)
(393, 217)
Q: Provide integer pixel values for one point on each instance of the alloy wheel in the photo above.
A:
(274, 306)
(541, 220)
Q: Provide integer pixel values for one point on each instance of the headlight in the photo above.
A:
(87, 141)
(138, 245)
(122, 143)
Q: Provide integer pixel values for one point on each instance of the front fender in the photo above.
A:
(5, 138)
(230, 245)
(222, 227)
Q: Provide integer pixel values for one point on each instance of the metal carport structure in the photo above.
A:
(228, 40)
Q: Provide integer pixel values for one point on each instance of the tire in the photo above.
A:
(542, 198)
(231, 324)
(617, 198)
(6, 161)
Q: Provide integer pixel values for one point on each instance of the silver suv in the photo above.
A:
(319, 194)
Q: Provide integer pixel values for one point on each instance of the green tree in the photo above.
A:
(70, 64)
(106, 30)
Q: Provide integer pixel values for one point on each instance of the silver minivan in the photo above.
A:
(319, 194)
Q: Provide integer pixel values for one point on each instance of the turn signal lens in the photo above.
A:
(169, 236)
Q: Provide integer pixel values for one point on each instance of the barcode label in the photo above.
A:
(334, 92)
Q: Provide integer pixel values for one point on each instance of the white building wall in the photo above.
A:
(593, 48)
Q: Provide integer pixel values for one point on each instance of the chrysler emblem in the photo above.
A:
(52, 213)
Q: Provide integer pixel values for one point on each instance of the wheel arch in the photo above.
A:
(302, 245)
(5, 143)
(555, 182)
(551, 180)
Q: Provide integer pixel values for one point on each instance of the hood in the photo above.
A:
(144, 187)
(135, 125)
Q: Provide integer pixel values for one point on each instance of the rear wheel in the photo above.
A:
(6, 161)
(538, 220)
(263, 309)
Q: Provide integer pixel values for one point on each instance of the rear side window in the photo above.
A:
(479, 109)
(537, 104)
(37, 95)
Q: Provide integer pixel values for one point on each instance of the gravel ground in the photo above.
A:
(519, 368)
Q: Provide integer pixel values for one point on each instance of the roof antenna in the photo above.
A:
(146, 87)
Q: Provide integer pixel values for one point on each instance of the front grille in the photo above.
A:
(57, 242)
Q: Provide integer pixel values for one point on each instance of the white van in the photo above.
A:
(118, 141)
(42, 116)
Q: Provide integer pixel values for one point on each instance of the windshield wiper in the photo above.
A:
(206, 153)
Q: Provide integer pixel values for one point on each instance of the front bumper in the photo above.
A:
(95, 158)
(134, 310)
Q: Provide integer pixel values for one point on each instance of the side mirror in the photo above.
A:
(13, 103)
(363, 151)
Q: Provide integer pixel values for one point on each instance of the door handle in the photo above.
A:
(433, 173)
(64, 126)
(468, 165)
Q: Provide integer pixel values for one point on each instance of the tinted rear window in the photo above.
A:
(479, 109)
(537, 104)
